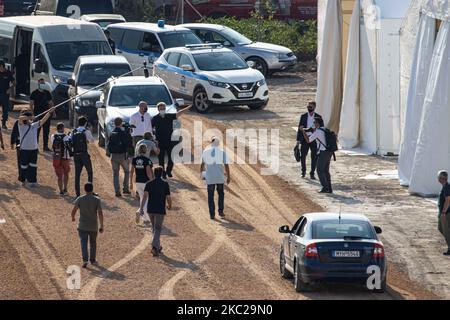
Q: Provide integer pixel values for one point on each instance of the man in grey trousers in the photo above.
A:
(119, 144)
(157, 192)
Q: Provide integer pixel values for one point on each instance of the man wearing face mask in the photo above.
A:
(28, 153)
(307, 122)
(141, 122)
(41, 101)
(163, 126)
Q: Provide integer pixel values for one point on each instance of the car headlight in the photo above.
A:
(60, 79)
(260, 83)
(86, 103)
(219, 84)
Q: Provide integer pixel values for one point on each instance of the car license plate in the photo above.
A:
(245, 95)
(346, 254)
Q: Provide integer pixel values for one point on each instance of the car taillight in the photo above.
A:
(378, 251)
(311, 251)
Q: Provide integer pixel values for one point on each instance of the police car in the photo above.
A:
(210, 75)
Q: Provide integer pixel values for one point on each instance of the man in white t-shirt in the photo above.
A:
(141, 122)
(324, 158)
(28, 151)
(216, 162)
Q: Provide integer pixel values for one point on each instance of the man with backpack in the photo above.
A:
(327, 144)
(119, 146)
(61, 158)
(78, 142)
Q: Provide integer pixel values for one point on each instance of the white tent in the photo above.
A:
(367, 108)
(426, 139)
(371, 108)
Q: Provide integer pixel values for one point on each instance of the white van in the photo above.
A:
(144, 42)
(34, 48)
(73, 8)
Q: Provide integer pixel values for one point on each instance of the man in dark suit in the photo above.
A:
(307, 122)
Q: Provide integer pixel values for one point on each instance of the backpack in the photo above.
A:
(79, 142)
(59, 146)
(116, 144)
(331, 141)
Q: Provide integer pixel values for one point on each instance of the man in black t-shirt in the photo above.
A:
(162, 124)
(142, 166)
(157, 192)
(41, 101)
(6, 82)
(444, 209)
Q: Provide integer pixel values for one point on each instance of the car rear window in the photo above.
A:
(131, 95)
(338, 229)
(178, 39)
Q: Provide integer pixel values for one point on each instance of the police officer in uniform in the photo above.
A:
(6, 82)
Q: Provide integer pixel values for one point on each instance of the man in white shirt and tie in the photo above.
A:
(141, 122)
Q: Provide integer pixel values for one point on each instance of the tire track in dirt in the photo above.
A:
(46, 253)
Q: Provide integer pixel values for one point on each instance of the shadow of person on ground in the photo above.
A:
(233, 225)
(101, 272)
(190, 265)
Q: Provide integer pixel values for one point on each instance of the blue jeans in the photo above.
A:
(91, 237)
(211, 204)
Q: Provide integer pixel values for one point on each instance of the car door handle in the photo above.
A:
(119, 51)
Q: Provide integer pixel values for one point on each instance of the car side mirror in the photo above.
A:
(179, 102)
(71, 82)
(378, 230)
(187, 67)
(284, 229)
(99, 105)
(38, 66)
(251, 64)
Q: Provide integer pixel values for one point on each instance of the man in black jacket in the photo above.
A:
(307, 122)
(120, 148)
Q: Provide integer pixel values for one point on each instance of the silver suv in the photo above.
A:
(268, 58)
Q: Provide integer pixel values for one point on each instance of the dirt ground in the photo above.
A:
(233, 258)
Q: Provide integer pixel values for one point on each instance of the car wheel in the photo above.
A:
(260, 65)
(284, 272)
(101, 138)
(259, 106)
(201, 102)
(299, 284)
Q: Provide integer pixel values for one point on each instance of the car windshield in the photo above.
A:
(104, 23)
(88, 6)
(178, 39)
(130, 96)
(335, 229)
(216, 61)
(64, 55)
(235, 37)
(93, 75)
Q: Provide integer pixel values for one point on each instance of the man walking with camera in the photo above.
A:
(119, 145)
(324, 158)
(307, 122)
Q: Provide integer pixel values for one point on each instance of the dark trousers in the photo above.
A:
(46, 132)
(28, 165)
(18, 162)
(166, 149)
(304, 151)
(82, 160)
(4, 102)
(211, 204)
(323, 169)
(91, 237)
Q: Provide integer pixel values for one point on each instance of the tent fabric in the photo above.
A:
(433, 144)
(416, 96)
(349, 126)
(408, 36)
(439, 9)
(329, 76)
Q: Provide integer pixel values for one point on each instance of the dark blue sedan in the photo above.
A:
(333, 247)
